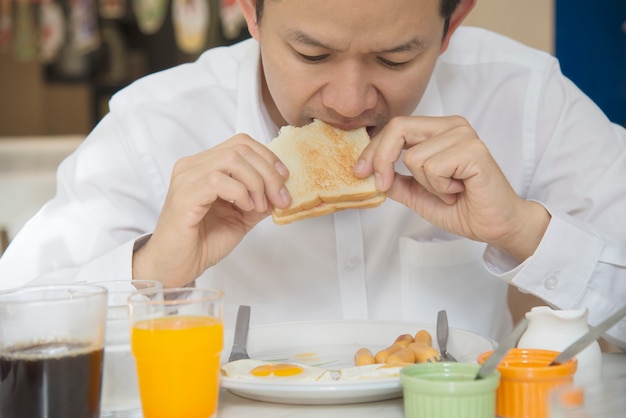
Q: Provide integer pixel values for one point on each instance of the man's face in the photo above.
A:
(351, 63)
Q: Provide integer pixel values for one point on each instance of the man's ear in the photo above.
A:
(248, 8)
(459, 15)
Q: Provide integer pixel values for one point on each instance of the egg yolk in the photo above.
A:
(276, 370)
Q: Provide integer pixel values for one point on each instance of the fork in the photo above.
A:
(238, 351)
(442, 336)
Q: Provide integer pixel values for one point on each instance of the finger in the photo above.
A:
(262, 179)
(448, 164)
(258, 148)
(267, 164)
(222, 186)
(412, 194)
(247, 167)
(399, 134)
(193, 191)
(198, 181)
(380, 154)
(440, 165)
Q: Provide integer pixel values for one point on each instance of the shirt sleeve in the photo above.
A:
(575, 165)
(574, 266)
(88, 230)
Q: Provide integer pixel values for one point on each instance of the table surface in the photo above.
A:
(233, 406)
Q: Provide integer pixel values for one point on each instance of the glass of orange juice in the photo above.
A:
(176, 339)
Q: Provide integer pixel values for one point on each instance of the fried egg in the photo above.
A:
(259, 369)
(370, 371)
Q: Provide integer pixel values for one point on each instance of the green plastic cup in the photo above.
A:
(448, 390)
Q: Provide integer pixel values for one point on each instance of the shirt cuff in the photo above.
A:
(559, 270)
(114, 265)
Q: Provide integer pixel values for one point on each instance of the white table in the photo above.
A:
(233, 406)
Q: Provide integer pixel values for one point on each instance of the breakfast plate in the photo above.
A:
(331, 345)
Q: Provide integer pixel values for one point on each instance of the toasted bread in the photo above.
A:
(321, 160)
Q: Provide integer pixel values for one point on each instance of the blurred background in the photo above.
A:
(61, 60)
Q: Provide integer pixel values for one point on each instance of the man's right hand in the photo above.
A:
(214, 199)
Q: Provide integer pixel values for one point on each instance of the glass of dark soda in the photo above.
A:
(51, 351)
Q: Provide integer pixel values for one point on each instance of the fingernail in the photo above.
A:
(378, 180)
(281, 168)
(360, 166)
(285, 196)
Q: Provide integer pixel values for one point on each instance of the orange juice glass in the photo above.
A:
(177, 338)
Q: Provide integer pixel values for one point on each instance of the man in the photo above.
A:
(526, 186)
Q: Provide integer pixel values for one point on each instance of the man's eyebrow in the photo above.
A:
(297, 35)
(412, 45)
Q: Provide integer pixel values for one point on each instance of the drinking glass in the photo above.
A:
(605, 399)
(51, 351)
(177, 337)
(120, 393)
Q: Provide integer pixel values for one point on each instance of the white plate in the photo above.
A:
(332, 344)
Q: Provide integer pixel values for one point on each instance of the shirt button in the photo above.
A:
(551, 282)
(353, 263)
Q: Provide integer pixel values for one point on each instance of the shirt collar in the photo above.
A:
(431, 104)
(253, 117)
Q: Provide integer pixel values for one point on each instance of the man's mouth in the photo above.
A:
(371, 129)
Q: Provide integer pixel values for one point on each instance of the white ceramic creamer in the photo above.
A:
(552, 329)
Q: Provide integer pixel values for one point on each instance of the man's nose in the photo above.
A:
(349, 92)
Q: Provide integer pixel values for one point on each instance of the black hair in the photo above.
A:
(446, 8)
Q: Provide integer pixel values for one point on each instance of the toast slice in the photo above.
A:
(320, 160)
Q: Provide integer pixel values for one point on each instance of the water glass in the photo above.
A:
(120, 393)
(606, 399)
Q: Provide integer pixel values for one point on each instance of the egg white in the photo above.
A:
(370, 371)
(240, 369)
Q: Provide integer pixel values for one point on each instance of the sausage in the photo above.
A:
(383, 355)
(406, 355)
(404, 339)
(364, 356)
(401, 342)
(424, 352)
(423, 336)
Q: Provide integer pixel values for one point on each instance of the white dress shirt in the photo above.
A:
(553, 144)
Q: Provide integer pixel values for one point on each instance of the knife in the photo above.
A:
(595, 333)
(238, 351)
(496, 357)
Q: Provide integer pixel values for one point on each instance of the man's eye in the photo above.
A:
(313, 58)
(392, 64)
